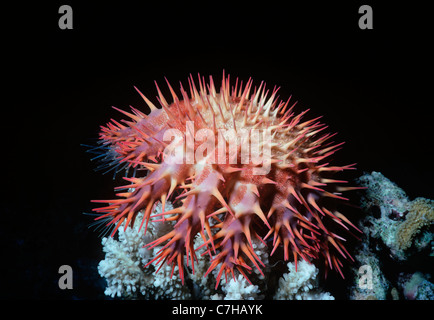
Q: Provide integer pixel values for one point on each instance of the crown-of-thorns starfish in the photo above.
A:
(228, 203)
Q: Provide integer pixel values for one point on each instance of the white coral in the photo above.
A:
(123, 269)
(203, 286)
(163, 285)
(241, 290)
(301, 284)
(123, 266)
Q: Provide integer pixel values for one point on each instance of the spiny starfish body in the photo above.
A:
(224, 196)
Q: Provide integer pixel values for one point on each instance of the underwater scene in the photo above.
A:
(181, 155)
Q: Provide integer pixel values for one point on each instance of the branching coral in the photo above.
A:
(238, 289)
(374, 286)
(123, 266)
(301, 284)
(123, 269)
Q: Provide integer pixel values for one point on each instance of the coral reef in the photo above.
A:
(123, 266)
(421, 214)
(397, 242)
(127, 278)
(199, 203)
(300, 284)
(375, 285)
(417, 287)
(238, 289)
(400, 221)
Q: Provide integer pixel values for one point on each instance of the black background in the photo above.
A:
(373, 87)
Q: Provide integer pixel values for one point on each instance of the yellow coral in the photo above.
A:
(421, 213)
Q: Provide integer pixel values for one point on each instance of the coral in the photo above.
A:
(418, 287)
(165, 285)
(301, 284)
(401, 220)
(239, 166)
(238, 289)
(203, 287)
(382, 192)
(391, 201)
(394, 293)
(368, 265)
(123, 266)
(123, 269)
(397, 236)
(421, 213)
